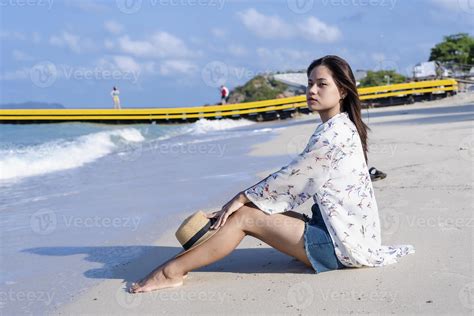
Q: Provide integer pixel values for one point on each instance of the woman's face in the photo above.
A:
(322, 93)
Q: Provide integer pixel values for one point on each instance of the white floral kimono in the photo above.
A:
(333, 171)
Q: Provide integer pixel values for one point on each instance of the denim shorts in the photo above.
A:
(318, 243)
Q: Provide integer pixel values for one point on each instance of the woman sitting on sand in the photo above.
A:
(344, 230)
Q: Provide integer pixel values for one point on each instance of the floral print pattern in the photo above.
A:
(332, 170)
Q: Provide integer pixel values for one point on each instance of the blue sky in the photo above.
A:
(167, 53)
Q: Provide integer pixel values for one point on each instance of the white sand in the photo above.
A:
(426, 200)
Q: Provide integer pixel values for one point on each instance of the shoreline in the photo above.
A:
(425, 187)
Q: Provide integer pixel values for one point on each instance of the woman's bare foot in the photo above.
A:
(159, 279)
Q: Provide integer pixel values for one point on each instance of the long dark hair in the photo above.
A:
(344, 78)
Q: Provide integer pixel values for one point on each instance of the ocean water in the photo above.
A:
(29, 150)
(79, 200)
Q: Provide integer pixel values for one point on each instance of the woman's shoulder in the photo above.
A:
(342, 134)
(341, 127)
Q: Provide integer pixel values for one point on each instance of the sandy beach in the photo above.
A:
(427, 151)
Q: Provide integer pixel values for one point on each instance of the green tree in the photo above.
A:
(457, 48)
(260, 88)
(381, 78)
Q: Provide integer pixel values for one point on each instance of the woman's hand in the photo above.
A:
(233, 205)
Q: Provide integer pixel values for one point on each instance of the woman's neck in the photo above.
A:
(327, 114)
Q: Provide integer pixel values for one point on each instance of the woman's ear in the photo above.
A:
(343, 94)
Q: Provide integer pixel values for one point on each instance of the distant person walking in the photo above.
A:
(115, 96)
(224, 94)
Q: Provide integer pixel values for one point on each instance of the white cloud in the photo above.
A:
(378, 57)
(318, 31)
(88, 5)
(169, 67)
(71, 41)
(36, 37)
(284, 58)
(125, 64)
(12, 35)
(129, 64)
(265, 26)
(237, 50)
(109, 44)
(158, 45)
(20, 74)
(113, 27)
(452, 12)
(218, 32)
(21, 56)
(20, 36)
(447, 4)
(274, 27)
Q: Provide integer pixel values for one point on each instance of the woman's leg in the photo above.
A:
(283, 232)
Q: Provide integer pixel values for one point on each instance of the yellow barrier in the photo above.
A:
(217, 111)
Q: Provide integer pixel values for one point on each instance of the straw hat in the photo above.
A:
(194, 231)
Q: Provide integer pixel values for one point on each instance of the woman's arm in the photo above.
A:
(230, 207)
(293, 184)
